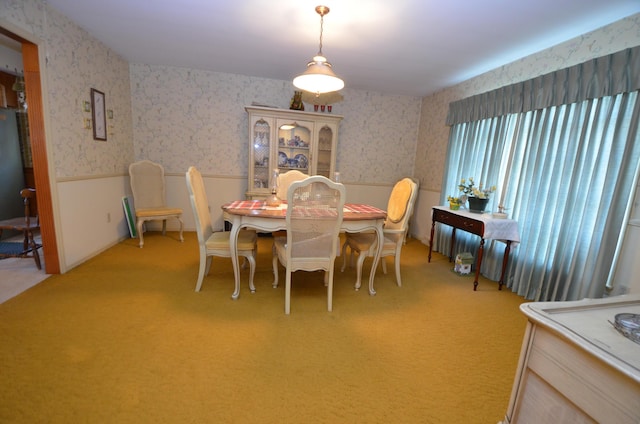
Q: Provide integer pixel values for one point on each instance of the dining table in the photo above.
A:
(257, 215)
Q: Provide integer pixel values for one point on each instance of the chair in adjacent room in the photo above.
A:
(286, 179)
(216, 243)
(313, 220)
(26, 224)
(149, 197)
(399, 211)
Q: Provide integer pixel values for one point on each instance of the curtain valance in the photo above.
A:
(604, 76)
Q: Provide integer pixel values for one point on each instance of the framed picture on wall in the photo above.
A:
(99, 115)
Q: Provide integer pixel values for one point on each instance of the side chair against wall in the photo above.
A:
(26, 224)
(399, 211)
(314, 217)
(148, 187)
(286, 179)
(212, 243)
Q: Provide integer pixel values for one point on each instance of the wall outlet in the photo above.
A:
(108, 216)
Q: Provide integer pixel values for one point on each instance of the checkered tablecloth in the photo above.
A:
(361, 208)
(246, 204)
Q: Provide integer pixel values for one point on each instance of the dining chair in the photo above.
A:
(26, 224)
(313, 219)
(148, 187)
(399, 210)
(286, 179)
(216, 243)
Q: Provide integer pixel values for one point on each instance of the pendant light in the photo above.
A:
(319, 77)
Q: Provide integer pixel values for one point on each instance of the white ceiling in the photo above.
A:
(405, 47)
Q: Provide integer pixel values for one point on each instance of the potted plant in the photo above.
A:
(477, 196)
(454, 202)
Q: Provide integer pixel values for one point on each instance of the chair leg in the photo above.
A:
(181, 228)
(287, 293)
(34, 249)
(330, 290)
(275, 268)
(140, 236)
(205, 263)
(397, 260)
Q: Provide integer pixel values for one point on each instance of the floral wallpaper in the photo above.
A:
(75, 63)
(433, 133)
(183, 117)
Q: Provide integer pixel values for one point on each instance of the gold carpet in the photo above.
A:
(124, 338)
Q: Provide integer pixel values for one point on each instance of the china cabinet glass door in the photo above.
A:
(325, 153)
(294, 145)
(261, 153)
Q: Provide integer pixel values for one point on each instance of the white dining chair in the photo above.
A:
(216, 243)
(399, 211)
(286, 179)
(149, 198)
(313, 220)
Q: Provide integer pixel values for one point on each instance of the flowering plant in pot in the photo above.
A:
(477, 195)
(454, 202)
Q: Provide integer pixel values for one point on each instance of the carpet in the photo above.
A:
(124, 338)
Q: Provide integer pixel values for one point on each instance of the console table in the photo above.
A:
(480, 224)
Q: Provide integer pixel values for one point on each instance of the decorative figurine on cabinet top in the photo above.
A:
(296, 101)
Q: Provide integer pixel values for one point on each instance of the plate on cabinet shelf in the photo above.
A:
(302, 160)
(283, 160)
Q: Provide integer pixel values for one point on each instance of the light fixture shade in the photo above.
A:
(318, 78)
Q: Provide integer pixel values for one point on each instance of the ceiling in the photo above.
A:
(404, 47)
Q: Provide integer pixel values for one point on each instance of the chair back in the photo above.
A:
(286, 179)
(199, 204)
(147, 184)
(28, 196)
(314, 217)
(400, 205)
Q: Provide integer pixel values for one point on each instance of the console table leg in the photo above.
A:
(478, 264)
(433, 226)
(504, 264)
(453, 241)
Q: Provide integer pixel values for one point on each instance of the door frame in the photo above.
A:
(35, 85)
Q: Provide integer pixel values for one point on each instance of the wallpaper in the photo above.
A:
(75, 63)
(433, 133)
(183, 117)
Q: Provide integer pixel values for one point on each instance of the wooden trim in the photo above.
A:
(35, 112)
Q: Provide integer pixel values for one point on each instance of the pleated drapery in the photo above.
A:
(565, 171)
(604, 76)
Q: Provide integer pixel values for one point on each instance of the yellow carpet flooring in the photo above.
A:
(124, 338)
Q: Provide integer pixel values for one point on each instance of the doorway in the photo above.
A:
(37, 140)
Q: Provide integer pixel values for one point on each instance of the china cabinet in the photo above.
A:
(289, 139)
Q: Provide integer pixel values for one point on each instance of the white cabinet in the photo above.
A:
(574, 365)
(289, 139)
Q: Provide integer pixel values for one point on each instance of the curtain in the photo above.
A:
(564, 153)
(574, 175)
(604, 76)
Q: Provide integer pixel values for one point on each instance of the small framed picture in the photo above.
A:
(98, 112)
